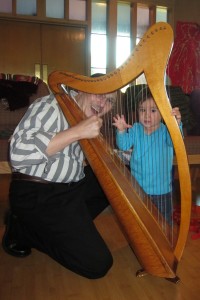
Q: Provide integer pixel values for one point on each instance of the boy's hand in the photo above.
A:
(120, 123)
(177, 114)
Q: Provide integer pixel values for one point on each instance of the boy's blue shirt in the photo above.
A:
(152, 157)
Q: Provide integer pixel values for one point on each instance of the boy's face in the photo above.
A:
(149, 115)
(92, 104)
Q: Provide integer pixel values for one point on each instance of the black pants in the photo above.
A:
(57, 219)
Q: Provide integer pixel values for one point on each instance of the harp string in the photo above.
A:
(128, 106)
(158, 205)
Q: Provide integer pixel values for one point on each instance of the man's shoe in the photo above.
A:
(9, 241)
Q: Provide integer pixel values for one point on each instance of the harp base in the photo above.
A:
(141, 273)
(175, 279)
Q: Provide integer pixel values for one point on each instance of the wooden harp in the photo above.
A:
(152, 248)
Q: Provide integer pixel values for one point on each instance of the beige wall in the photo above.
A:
(187, 10)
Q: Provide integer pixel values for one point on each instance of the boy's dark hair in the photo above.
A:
(143, 95)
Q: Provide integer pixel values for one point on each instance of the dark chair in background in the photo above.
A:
(195, 107)
(17, 92)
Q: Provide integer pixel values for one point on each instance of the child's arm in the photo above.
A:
(120, 123)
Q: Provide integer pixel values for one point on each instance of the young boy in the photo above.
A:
(152, 156)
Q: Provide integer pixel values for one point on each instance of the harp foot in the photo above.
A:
(175, 279)
(141, 273)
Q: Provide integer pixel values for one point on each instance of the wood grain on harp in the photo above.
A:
(155, 253)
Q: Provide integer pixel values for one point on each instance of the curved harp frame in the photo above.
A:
(149, 244)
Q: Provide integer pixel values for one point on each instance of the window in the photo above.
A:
(77, 14)
(98, 37)
(123, 38)
(61, 9)
(123, 46)
(6, 6)
(55, 9)
(143, 21)
(161, 14)
(24, 7)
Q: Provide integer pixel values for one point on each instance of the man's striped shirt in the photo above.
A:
(31, 137)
